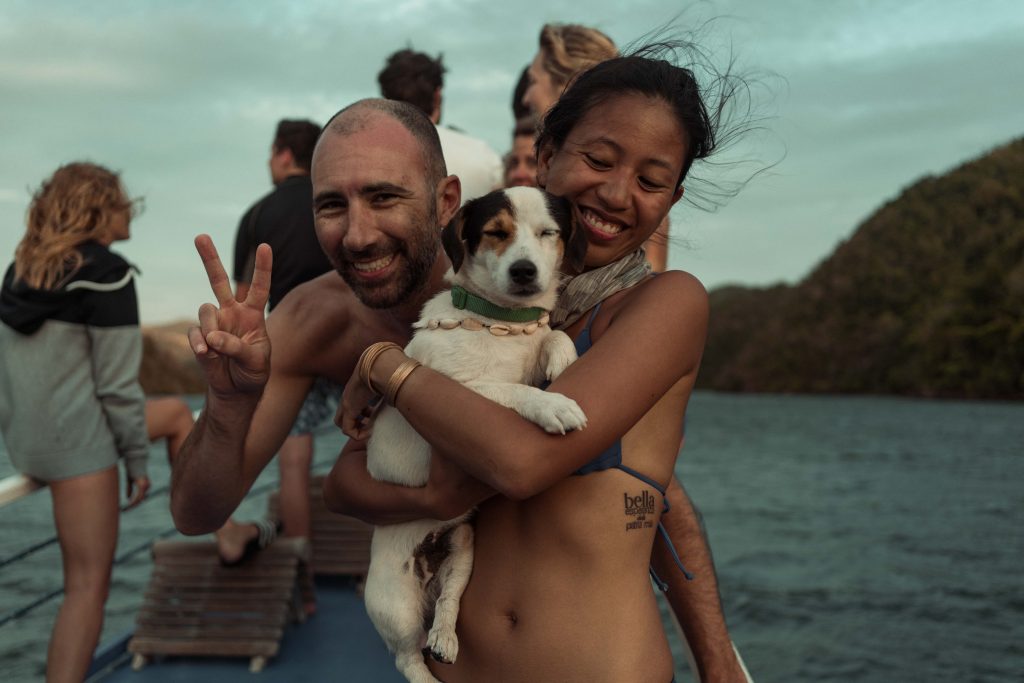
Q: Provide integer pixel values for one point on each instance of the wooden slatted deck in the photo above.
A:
(341, 544)
(195, 606)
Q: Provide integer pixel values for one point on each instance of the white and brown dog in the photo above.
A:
(489, 332)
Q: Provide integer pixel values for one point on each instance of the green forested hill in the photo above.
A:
(926, 298)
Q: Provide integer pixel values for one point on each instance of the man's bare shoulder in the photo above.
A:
(323, 303)
(320, 328)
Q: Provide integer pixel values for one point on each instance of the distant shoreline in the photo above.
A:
(168, 366)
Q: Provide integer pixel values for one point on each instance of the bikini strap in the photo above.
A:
(675, 556)
(583, 342)
(593, 314)
(661, 527)
(645, 479)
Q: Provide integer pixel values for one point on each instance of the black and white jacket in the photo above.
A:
(69, 367)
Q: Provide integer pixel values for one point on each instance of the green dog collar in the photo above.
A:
(463, 300)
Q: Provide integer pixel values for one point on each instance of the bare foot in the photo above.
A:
(232, 539)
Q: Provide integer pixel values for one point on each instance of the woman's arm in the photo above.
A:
(653, 339)
(349, 489)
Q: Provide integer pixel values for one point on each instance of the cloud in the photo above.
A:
(69, 74)
(9, 196)
(182, 97)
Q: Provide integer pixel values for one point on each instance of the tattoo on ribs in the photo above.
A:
(639, 508)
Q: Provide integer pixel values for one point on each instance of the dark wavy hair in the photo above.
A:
(713, 106)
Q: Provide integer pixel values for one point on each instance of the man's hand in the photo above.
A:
(231, 342)
(451, 491)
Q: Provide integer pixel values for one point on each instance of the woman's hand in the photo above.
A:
(136, 490)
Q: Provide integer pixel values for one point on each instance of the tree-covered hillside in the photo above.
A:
(926, 298)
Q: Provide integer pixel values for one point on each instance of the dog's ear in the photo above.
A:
(573, 234)
(451, 239)
(461, 236)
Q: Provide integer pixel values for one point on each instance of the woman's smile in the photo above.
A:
(598, 226)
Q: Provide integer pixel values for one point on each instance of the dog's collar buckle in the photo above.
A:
(463, 300)
(459, 297)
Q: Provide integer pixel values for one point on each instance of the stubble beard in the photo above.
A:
(419, 252)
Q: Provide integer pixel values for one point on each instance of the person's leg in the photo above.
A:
(294, 460)
(232, 539)
(168, 418)
(85, 510)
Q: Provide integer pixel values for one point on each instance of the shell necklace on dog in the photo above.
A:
(516, 320)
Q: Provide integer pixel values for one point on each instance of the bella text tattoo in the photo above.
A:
(639, 508)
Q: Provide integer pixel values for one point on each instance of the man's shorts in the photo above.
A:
(320, 405)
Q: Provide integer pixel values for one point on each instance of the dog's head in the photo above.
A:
(508, 245)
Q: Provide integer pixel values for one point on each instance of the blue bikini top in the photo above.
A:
(612, 456)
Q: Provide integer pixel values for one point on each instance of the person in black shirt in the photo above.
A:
(284, 219)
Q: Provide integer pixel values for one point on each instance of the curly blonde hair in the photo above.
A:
(75, 205)
(568, 49)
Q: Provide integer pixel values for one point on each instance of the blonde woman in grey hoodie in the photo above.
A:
(70, 400)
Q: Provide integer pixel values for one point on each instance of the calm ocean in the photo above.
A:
(856, 539)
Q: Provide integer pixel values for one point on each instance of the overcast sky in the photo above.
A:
(182, 97)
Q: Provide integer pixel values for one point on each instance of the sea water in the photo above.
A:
(856, 539)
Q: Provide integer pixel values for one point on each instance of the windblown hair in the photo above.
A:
(412, 77)
(355, 116)
(567, 49)
(713, 106)
(299, 136)
(519, 109)
(73, 206)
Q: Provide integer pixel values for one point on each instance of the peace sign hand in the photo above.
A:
(231, 342)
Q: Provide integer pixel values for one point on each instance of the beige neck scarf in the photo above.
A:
(586, 290)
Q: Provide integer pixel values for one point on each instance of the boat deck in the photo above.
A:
(336, 643)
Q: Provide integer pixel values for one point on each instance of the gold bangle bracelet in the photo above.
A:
(398, 378)
(369, 357)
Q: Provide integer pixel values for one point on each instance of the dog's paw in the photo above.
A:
(443, 644)
(559, 353)
(556, 414)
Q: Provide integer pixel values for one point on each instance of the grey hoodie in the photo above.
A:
(70, 399)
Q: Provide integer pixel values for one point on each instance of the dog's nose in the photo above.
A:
(523, 272)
